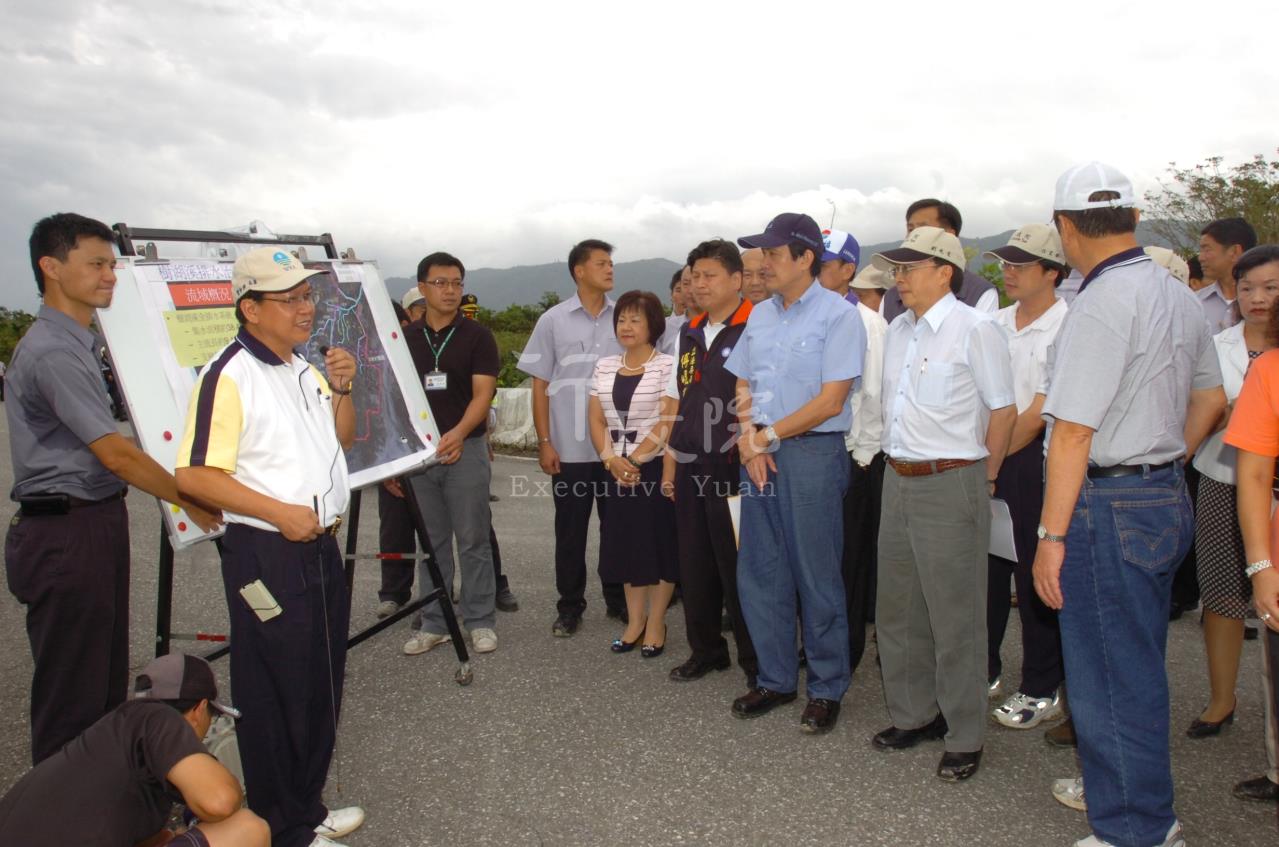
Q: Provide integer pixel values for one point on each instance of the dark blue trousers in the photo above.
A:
(287, 673)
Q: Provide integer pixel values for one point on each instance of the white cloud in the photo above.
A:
(506, 131)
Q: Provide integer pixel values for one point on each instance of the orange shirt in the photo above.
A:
(1254, 425)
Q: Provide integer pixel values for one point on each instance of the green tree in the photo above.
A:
(13, 325)
(1190, 198)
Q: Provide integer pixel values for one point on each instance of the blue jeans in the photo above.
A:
(792, 536)
(1125, 540)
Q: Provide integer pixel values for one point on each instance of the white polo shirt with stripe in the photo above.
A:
(269, 424)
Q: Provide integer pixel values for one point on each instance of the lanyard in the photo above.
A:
(444, 344)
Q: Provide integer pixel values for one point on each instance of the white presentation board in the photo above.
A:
(168, 317)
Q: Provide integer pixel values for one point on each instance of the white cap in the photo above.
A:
(1076, 185)
(268, 269)
(870, 278)
(1175, 264)
(923, 242)
(412, 296)
(1031, 243)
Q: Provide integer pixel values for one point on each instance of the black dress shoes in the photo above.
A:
(1207, 729)
(759, 701)
(819, 716)
(622, 615)
(903, 739)
(696, 668)
(1260, 789)
(957, 767)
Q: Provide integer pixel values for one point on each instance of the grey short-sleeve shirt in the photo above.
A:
(1130, 350)
(565, 344)
(57, 404)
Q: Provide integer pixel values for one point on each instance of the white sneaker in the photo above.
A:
(485, 640)
(387, 608)
(423, 641)
(1022, 711)
(1173, 839)
(341, 822)
(1070, 793)
(321, 841)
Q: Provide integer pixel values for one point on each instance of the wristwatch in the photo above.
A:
(770, 435)
(1045, 536)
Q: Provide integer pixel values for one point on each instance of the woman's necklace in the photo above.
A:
(640, 366)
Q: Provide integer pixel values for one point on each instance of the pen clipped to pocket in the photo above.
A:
(260, 600)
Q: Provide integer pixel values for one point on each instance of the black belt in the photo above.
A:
(33, 505)
(1098, 472)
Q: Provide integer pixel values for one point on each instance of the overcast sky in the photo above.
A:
(505, 131)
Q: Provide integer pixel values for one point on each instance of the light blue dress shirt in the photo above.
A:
(787, 354)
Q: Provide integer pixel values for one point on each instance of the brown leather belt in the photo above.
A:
(928, 468)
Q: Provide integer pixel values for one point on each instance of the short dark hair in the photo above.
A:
(1262, 254)
(185, 706)
(676, 278)
(724, 252)
(946, 212)
(439, 260)
(1196, 269)
(647, 304)
(582, 251)
(57, 235)
(400, 315)
(1229, 232)
(1099, 223)
(797, 249)
(255, 296)
(1053, 266)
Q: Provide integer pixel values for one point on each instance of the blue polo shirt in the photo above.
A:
(787, 354)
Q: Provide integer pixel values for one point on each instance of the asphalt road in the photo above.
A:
(559, 741)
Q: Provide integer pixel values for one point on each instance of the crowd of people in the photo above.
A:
(809, 451)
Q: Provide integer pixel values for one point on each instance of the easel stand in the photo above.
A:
(440, 593)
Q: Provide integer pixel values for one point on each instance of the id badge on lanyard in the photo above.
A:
(435, 381)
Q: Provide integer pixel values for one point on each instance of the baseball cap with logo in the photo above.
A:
(841, 245)
(178, 676)
(1175, 264)
(267, 269)
(1076, 185)
(785, 228)
(924, 242)
(1031, 243)
(870, 277)
(411, 298)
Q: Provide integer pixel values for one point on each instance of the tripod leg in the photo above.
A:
(442, 592)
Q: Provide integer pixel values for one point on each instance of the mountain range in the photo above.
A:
(498, 288)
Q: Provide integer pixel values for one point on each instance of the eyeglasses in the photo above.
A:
(1005, 265)
(295, 301)
(903, 270)
(442, 282)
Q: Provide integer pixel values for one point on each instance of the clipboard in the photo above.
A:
(1001, 531)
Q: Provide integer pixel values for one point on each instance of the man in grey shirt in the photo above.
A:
(67, 550)
(1135, 385)
(560, 356)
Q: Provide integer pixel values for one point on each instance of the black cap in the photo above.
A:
(786, 228)
(178, 676)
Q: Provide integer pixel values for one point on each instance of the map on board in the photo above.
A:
(384, 431)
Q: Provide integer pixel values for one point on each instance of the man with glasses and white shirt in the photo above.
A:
(948, 407)
(1033, 266)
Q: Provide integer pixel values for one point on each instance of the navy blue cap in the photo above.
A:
(785, 228)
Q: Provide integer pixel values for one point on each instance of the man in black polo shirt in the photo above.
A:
(67, 551)
(121, 776)
(702, 469)
(457, 361)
